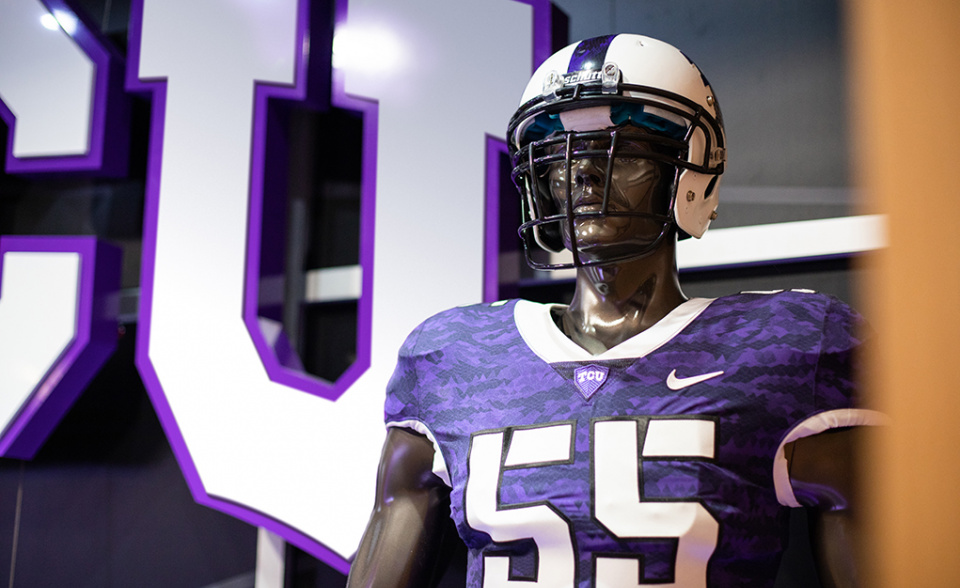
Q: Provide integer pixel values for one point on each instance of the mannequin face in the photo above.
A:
(636, 193)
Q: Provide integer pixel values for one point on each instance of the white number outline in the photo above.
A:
(494, 561)
(642, 425)
(496, 566)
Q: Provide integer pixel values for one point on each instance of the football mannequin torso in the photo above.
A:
(658, 461)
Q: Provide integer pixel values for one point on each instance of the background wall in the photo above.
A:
(779, 71)
(104, 503)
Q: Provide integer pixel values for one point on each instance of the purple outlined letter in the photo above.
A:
(57, 80)
(57, 328)
(249, 439)
(57, 294)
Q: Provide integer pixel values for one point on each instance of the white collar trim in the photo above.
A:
(544, 338)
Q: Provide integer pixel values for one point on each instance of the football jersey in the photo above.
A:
(659, 461)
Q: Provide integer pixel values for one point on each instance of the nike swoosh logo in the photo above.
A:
(675, 383)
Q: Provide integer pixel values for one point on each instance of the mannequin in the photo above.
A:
(404, 545)
(604, 186)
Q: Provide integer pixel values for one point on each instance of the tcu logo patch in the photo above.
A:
(589, 378)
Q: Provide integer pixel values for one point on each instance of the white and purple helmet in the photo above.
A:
(597, 86)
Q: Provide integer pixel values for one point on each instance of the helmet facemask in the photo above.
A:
(578, 107)
(605, 195)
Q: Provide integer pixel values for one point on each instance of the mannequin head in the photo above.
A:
(619, 196)
(612, 103)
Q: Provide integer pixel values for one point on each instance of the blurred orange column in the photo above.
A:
(905, 105)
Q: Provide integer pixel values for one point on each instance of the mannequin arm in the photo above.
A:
(823, 471)
(405, 542)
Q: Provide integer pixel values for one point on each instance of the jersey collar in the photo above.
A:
(544, 338)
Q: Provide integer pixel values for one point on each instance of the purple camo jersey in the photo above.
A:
(652, 463)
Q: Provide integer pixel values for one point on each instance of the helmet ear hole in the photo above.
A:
(713, 184)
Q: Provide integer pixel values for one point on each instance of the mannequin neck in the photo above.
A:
(612, 303)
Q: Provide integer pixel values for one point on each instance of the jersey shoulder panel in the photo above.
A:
(808, 306)
(427, 392)
(836, 330)
(458, 325)
(433, 348)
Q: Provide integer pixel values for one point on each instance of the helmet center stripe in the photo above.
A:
(589, 54)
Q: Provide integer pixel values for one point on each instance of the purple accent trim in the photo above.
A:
(495, 148)
(94, 343)
(277, 371)
(290, 534)
(109, 123)
(493, 182)
(542, 31)
(590, 53)
(157, 90)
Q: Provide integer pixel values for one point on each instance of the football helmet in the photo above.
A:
(577, 106)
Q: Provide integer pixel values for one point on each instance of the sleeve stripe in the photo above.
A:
(439, 464)
(818, 423)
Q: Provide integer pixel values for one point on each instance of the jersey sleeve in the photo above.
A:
(402, 407)
(840, 345)
(836, 399)
(403, 402)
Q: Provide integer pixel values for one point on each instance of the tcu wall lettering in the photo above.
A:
(57, 295)
(57, 328)
(269, 445)
(59, 120)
